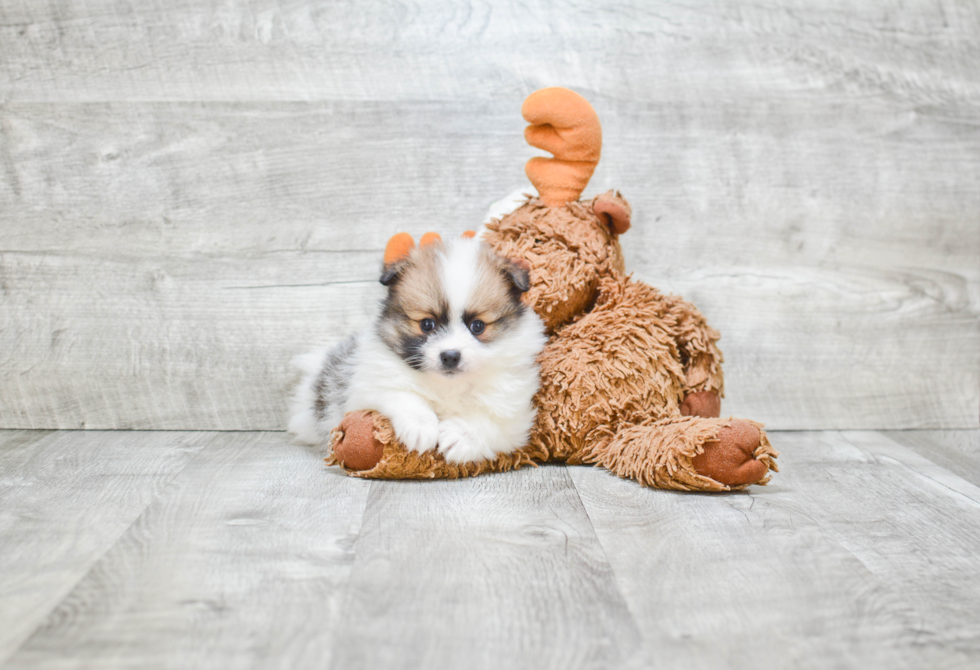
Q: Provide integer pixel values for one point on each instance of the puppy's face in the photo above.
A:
(449, 306)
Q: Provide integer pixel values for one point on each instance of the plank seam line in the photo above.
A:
(605, 557)
(825, 531)
(350, 282)
(68, 591)
(916, 472)
(345, 595)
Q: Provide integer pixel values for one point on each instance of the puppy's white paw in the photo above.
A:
(459, 443)
(418, 432)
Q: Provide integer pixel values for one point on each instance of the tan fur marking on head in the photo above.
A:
(418, 293)
(494, 301)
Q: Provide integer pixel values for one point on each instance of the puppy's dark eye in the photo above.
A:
(427, 325)
(477, 326)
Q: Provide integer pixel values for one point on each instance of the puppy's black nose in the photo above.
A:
(450, 359)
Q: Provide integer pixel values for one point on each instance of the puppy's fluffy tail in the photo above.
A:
(302, 406)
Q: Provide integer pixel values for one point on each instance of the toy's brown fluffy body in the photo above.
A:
(623, 364)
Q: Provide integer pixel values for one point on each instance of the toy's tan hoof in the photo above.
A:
(358, 449)
(730, 459)
(702, 403)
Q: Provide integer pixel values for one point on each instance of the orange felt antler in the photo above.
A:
(429, 238)
(563, 123)
(401, 244)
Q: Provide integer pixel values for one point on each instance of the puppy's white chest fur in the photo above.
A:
(468, 417)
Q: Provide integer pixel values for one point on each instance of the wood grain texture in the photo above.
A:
(859, 554)
(167, 343)
(239, 563)
(65, 499)
(234, 550)
(846, 285)
(805, 173)
(490, 572)
(267, 50)
(956, 450)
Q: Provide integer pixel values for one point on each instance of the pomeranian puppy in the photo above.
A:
(450, 360)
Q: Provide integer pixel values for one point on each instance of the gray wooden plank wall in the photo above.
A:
(193, 192)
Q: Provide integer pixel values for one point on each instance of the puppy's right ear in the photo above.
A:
(391, 271)
(396, 251)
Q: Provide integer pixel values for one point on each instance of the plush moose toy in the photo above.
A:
(630, 378)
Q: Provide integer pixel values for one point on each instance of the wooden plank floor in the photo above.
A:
(234, 550)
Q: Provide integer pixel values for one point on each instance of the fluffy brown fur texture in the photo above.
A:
(620, 361)
(630, 378)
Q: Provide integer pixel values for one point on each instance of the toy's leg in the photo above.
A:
(697, 346)
(366, 446)
(740, 456)
(617, 391)
(706, 404)
(687, 453)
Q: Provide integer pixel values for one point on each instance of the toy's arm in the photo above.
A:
(696, 340)
(701, 358)
(366, 446)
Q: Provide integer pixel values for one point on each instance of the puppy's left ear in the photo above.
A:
(396, 252)
(519, 274)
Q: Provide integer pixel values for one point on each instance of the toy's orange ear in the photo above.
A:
(468, 234)
(429, 238)
(565, 124)
(399, 246)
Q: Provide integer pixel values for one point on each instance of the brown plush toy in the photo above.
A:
(630, 378)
